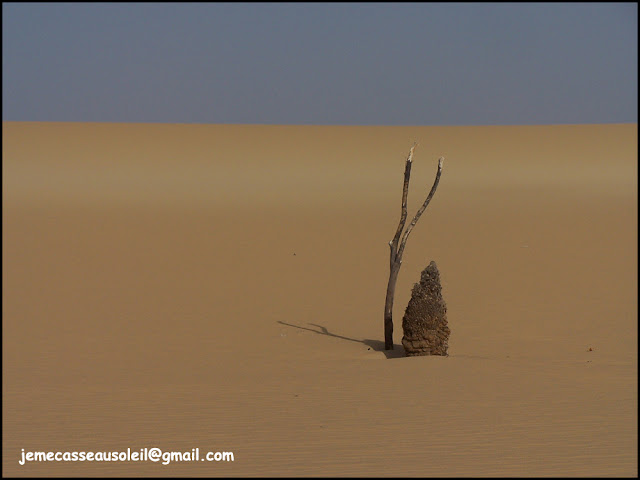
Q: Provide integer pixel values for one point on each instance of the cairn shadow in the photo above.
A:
(377, 345)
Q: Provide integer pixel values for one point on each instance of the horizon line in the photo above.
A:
(322, 124)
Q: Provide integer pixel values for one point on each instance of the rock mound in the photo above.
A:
(425, 327)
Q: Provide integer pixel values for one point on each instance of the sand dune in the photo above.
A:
(222, 287)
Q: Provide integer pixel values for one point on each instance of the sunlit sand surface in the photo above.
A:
(222, 287)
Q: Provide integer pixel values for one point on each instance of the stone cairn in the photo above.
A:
(426, 331)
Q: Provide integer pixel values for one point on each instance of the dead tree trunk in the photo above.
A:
(397, 246)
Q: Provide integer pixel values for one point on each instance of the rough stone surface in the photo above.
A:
(425, 327)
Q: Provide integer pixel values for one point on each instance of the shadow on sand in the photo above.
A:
(377, 345)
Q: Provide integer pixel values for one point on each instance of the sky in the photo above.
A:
(321, 63)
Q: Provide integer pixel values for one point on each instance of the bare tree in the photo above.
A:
(397, 246)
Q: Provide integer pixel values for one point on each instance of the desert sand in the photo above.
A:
(222, 287)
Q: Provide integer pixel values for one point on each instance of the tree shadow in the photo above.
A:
(377, 345)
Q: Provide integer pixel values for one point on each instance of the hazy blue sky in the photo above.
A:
(367, 64)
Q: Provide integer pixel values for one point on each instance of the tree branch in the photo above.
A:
(397, 251)
(422, 208)
(403, 215)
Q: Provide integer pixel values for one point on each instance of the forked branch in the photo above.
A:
(398, 249)
(422, 208)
